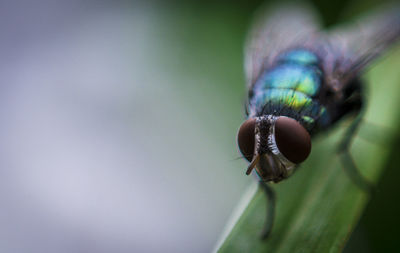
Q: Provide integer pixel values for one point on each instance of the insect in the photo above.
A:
(301, 81)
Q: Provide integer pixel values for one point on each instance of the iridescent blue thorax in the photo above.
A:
(290, 88)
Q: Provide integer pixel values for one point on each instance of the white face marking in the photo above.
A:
(273, 165)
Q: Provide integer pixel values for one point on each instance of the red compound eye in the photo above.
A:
(246, 138)
(293, 141)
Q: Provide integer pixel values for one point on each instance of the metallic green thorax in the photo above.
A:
(290, 88)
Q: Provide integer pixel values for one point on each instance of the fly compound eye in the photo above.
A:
(293, 141)
(246, 138)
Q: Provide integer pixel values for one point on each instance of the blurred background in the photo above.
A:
(118, 125)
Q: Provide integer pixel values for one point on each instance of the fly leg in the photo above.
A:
(270, 194)
(345, 157)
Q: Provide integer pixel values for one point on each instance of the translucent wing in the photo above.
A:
(275, 29)
(363, 41)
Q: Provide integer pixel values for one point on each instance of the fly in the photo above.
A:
(301, 81)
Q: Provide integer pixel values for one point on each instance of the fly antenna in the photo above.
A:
(253, 164)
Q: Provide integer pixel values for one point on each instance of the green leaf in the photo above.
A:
(318, 207)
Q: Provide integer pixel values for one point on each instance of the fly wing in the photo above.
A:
(363, 41)
(275, 29)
